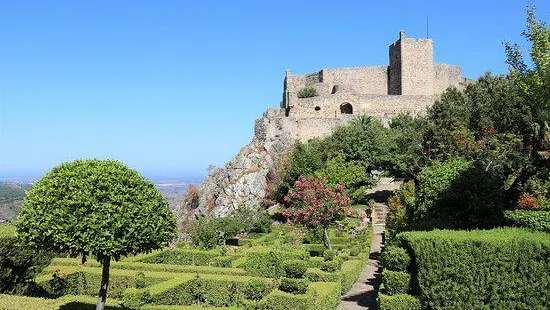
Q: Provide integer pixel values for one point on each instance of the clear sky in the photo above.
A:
(169, 87)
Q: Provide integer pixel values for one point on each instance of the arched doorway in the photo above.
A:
(346, 108)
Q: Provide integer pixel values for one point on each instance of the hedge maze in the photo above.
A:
(262, 272)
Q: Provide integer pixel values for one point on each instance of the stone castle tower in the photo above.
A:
(410, 83)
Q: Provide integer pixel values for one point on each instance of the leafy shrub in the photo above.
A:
(456, 193)
(294, 286)
(295, 268)
(398, 302)
(485, 269)
(330, 255)
(536, 192)
(352, 174)
(204, 234)
(537, 220)
(307, 92)
(331, 266)
(256, 289)
(394, 258)
(405, 197)
(395, 282)
(19, 265)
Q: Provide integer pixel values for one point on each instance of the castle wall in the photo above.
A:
(394, 70)
(417, 67)
(447, 76)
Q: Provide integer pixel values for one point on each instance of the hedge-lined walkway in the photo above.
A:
(363, 293)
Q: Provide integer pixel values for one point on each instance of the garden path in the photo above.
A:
(363, 293)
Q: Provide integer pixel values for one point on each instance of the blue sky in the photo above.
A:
(169, 87)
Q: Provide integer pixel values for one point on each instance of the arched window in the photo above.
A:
(334, 89)
(346, 108)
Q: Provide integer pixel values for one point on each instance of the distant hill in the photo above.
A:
(12, 194)
(11, 199)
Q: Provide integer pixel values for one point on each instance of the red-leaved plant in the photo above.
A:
(528, 201)
(313, 203)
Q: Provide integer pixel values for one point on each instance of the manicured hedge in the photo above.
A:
(348, 274)
(400, 302)
(152, 267)
(86, 280)
(320, 296)
(12, 302)
(9, 302)
(534, 219)
(7, 230)
(268, 262)
(395, 282)
(395, 258)
(189, 289)
(180, 256)
(187, 308)
(485, 269)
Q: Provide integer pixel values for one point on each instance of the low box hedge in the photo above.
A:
(180, 256)
(348, 274)
(77, 280)
(395, 282)
(399, 302)
(152, 267)
(394, 258)
(13, 302)
(319, 296)
(189, 289)
(534, 219)
(481, 269)
(268, 262)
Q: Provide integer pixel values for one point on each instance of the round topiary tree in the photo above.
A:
(97, 208)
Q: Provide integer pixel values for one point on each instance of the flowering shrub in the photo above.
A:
(312, 203)
(528, 201)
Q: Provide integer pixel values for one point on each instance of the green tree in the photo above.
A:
(534, 82)
(98, 208)
(363, 140)
(352, 174)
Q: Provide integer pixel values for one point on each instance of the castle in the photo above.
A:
(410, 84)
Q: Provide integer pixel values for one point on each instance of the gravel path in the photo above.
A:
(363, 293)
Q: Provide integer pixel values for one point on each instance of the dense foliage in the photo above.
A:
(348, 156)
(485, 269)
(537, 220)
(210, 232)
(18, 264)
(315, 204)
(95, 208)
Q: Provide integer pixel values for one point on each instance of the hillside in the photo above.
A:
(11, 198)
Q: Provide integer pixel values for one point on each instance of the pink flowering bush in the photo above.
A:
(313, 203)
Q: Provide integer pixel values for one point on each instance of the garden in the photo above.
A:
(281, 269)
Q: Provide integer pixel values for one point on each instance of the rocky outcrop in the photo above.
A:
(244, 178)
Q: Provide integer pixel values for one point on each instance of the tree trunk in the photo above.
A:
(102, 296)
(326, 239)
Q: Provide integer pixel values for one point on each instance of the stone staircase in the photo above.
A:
(379, 214)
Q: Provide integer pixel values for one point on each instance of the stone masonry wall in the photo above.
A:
(417, 67)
